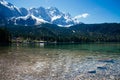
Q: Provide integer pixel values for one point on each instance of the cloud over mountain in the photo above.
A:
(84, 15)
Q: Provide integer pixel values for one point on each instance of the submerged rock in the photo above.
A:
(94, 71)
(107, 60)
(102, 68)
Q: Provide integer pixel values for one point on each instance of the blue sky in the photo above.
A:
(87, 11)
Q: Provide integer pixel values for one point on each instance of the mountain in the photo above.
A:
(53, 15)
(10, 14)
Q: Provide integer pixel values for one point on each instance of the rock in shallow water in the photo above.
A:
(107, 60)
(94, 71)
(102, 68)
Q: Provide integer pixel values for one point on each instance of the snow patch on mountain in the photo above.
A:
(55, 17)
(28, 20)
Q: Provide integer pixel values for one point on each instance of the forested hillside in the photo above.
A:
(109, 32)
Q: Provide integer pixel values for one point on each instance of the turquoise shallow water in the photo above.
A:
(90, 61)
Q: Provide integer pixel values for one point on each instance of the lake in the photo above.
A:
(83, 61)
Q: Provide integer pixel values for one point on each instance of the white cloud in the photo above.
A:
(84, 15)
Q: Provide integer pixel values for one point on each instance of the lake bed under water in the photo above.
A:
(83, 61)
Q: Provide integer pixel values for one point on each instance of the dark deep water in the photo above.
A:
(90, 61)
